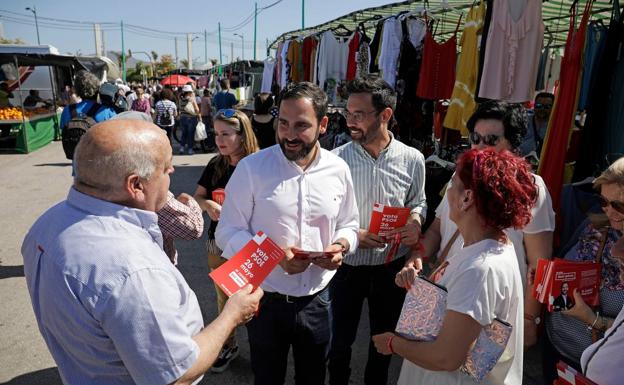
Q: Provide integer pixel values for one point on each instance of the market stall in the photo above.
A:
(25, 129)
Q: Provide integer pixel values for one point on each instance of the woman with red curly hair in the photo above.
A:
(490, 192)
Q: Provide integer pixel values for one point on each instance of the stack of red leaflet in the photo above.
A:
(386, 218)
(556, 280)
(218, 195)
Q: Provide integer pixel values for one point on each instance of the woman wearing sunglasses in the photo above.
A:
(571, 331)
(490, 192)
(235, 140)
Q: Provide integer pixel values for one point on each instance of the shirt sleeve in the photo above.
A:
(180, 221)
(473, 294)
(348, 221)
(542, 215)
(233, 230)
(416, 198)
(143, 318)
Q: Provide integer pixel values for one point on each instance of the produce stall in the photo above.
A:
(28, 129)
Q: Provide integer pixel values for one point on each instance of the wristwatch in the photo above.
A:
(536, 319)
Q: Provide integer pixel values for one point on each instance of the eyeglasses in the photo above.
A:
(229, 113)
(543, 106)
(358, 116)
(489, 140)
(616, 205)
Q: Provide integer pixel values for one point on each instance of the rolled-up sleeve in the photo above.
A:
(144, 320)
(233, 229)
(348, 221)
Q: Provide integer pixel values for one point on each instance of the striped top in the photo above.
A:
(396, 178)
(162, 106)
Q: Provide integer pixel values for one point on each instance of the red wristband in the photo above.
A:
(390, 345)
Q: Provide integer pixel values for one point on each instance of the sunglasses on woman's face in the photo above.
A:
(615, 205)
(489, 140)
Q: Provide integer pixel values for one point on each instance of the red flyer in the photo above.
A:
(386, 218)
(250, 265)
(570, 376)
(556, 280)
(307, 254)
(218, 196)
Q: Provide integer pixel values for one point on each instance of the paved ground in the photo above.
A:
(32, 183)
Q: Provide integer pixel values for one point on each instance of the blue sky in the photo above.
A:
(176, 16)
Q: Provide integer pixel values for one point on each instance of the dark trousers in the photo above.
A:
(210, 139)
(188, 124)
(302, 323)
(348, 289)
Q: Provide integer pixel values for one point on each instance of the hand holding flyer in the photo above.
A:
(385, 219)
(250, 265)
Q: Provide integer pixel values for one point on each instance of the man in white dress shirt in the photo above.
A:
(301, 196)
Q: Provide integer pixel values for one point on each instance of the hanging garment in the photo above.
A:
(613, 141)
(314, 67)
(594, 44)
(390, 49)
(484, 34)
(437, 71)
(278, 64)
(564, 111)
(363, 57)
(591, 163)
(285, 67)
(354, 45)
(331, 59)
(416, 31)
(309, 45)
(267, 74)
(512, 53)
(553, 71)
(375, 46)
(462, 103)
(540, 83)
(294, 59)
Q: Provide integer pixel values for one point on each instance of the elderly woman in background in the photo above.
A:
(490, 192)
(572, 331)
(141, 103)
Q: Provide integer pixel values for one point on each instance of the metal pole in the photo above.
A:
(189, 51)
(123, 55)
(255, 28)
(205, 47)
(302, 14)
(231, 52)
(19, 84)
(176, 51)
(36, 25)
(243, 46)
(220, 51)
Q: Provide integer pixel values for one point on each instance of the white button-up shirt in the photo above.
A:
(308, 209)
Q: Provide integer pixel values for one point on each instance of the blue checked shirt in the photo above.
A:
(396, 178)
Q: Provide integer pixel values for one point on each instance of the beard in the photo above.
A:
(372, 133)
(298, 154)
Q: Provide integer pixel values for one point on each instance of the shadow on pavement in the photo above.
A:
(11, 271)
(48, 376)
(66, 164)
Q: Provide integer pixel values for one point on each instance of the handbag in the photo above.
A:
(421, 319)
(200, 131)
(189, 108)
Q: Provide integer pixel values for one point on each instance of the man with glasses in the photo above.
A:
(502, 126)
(384, 171)
(537, 124)
(302, 197)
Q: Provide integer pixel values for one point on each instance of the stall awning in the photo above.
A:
(555, 14)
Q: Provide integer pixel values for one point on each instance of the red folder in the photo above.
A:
(250, 265)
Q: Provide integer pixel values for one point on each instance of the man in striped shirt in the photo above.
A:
(384, 171)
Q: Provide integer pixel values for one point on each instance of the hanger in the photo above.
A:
(574, 4)
(551, 37)
(346, 31)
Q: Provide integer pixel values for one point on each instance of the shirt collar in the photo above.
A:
(363, 151)
(315, 161)
(148, 220)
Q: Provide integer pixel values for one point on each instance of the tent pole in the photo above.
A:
(19, 84)
(57, 129)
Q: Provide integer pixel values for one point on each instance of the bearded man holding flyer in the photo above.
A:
(301, 196)
(387, 172)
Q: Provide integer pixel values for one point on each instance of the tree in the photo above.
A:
(12, 41)
(184, 63)
(165, 64)
(154, 56)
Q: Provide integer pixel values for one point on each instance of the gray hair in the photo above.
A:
(107, 173)
(87, 85)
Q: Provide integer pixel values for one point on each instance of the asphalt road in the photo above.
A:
(32, 183)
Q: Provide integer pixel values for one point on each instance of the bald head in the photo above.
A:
(112, 151)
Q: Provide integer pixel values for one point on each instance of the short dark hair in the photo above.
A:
(308, 91)
(167, 93)
(512, 115)
(225, 83)
(545, 95)
(263, 103)
(382, 93)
